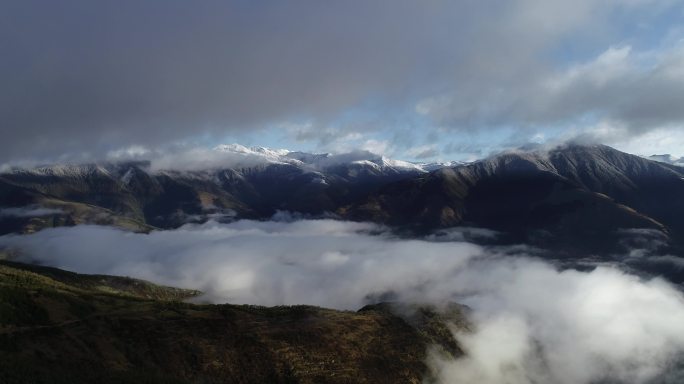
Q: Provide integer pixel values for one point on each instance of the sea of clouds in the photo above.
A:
(534, 323)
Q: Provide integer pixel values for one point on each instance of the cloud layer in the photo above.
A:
(533, 323)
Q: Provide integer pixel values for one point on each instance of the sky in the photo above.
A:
(414, 80)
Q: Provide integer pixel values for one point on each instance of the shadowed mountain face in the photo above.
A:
(130, 192)
(572, 198)
(575, 198)
(62, 327)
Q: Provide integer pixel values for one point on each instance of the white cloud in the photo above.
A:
(201, 158)
(380, 147)
(267, 263)
(623, 97)
(539, 325)
(196, 158)
(667, 140)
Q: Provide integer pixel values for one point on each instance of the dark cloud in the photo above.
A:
(81, 75)
(89, 72)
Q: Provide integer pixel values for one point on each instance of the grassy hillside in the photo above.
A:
(62, 327)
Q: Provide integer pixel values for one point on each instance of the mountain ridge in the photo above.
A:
(62, 327)
(562, 195)
(583, 191)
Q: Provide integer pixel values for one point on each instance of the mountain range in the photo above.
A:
(573, 198)
(257, 183)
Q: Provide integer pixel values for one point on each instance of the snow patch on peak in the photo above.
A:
(255, 156)
(65, 170)
(271, 154)
(367, 163)
(126, 178)
(402, 165)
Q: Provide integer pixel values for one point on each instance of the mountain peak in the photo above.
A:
(252, 151)
(319, 161)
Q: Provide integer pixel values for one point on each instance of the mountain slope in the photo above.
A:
(572, 197)
(60, 327)
(255, 183)
(652, 188)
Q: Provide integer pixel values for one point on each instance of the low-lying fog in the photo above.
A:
(534, 323)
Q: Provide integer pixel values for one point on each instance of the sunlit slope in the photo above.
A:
(62, 327)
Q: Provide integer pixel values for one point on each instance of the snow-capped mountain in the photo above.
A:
(240, 160)
(323, 161)
(576, 195)
(266, 154)
(256, 182)
(196, 163)
(572, 196)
